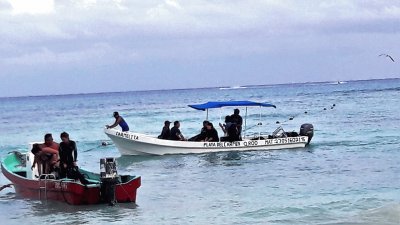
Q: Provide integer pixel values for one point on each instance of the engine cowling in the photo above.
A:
(307, 129)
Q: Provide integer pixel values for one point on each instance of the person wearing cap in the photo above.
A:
(119, 121)
(166, 132)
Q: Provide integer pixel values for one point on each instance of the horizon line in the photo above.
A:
(177, 89)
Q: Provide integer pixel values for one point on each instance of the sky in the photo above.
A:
(52, 47)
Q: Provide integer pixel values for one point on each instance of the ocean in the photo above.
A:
(350, 173)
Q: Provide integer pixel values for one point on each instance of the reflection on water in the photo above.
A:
(128, 160)
(232, 156)
(54, 212)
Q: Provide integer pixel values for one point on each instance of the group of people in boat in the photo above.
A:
(60, 159)
(232, 129)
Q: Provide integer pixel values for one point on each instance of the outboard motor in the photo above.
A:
(109, 178)
(307, 129)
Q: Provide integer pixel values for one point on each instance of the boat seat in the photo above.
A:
(47, 176)
(91, 182)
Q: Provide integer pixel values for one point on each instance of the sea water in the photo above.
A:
(350, 174)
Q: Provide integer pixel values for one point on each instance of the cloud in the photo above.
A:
(172, 29)
(157, 38)
(181, 19)
(196, 18)
(97, 53)
(32, 7)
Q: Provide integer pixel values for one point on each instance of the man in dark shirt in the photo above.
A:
(166, 132)
(68, 157)
(68, 154)
(236, 118)
(176, 133)
(211, 133)
(233, 133)
(202, 135)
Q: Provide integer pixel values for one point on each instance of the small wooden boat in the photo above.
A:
(102, 188)
(130, 143)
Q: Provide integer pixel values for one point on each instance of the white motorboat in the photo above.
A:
(131, 143)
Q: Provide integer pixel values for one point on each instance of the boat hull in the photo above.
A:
(66, 190)
(129, 143)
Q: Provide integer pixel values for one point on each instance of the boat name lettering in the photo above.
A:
(250, 143)
(127, 135)
(268, 142)
(289, 140)
(221, 144)
(61, 186)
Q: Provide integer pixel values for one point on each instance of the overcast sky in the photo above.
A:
(70, 46)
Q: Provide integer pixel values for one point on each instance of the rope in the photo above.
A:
(103, 144)
(293, 117)
(62, 191)
(305, 113)
(127, 193)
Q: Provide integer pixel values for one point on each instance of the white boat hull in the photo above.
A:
(129, 143)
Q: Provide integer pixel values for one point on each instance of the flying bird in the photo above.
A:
(391, 58)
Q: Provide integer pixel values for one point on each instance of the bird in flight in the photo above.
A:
(390, 57)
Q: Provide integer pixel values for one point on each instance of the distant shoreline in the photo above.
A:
(199, 88)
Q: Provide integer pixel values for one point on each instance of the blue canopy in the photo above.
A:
(210, 105)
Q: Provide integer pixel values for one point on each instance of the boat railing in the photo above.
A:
(43, 180)
(279, 133)
(257, 135)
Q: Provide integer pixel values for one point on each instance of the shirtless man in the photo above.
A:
(47, 154)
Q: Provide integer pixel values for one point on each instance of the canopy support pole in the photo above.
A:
(259, 126)
(207, 115)
(245, 125)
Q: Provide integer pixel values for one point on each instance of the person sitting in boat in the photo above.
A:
(225, 126)
(202, 135)
(166, 132)
(68, 158)
(211, 133)
(232, 133)
(46, 155)
(236, 118)
(176, 133)
(119, 121)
